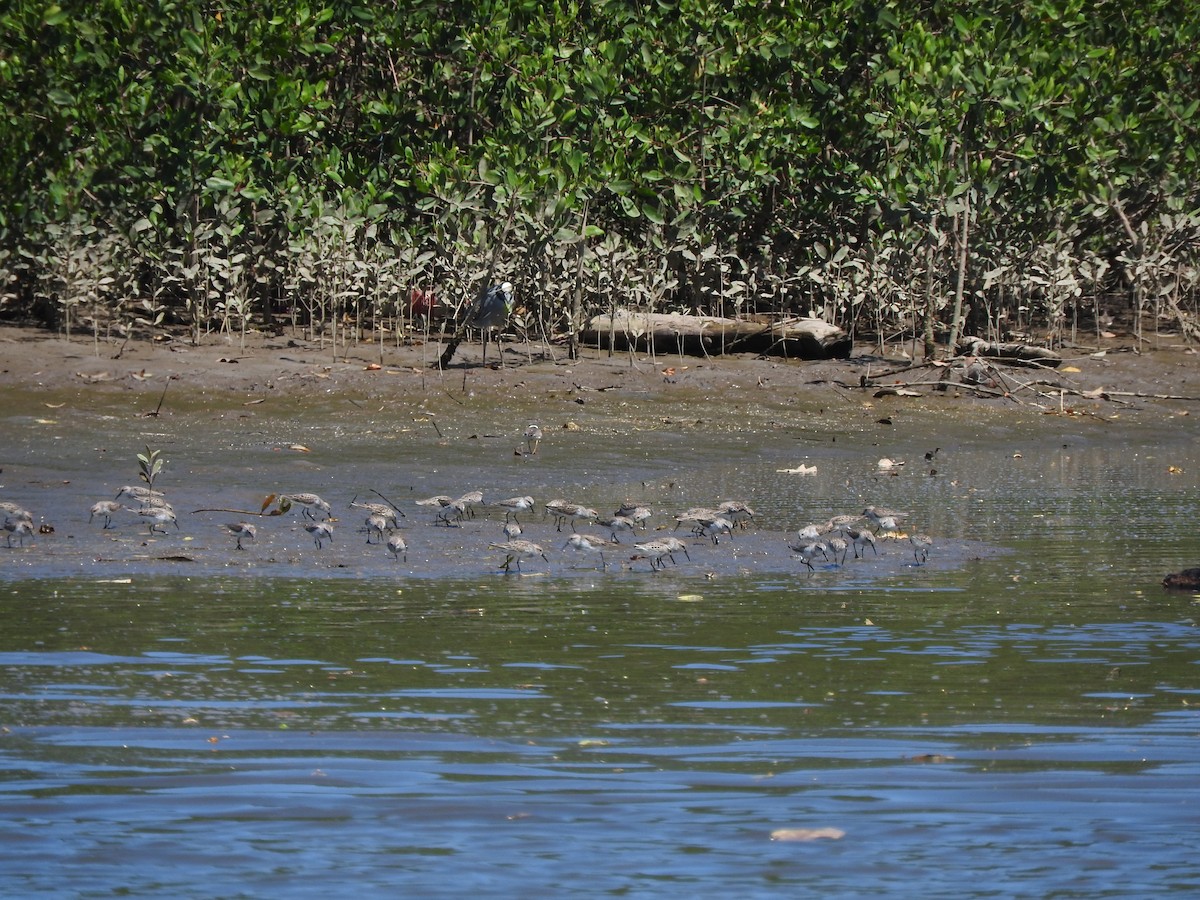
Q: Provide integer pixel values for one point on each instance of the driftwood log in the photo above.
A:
(714, 335)
(1010, 353)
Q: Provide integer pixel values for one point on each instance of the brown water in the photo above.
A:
(1014, 718)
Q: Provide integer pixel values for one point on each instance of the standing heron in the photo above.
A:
(489, 313)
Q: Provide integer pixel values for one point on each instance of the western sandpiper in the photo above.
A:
(696, 518)
(376, 524)
(736, 511)
(452, 513)
(811, 532)
(107, 509)
(921, 544)
(860, 538)
(436, 500)
(884, 519)
(658, 550)
(143, 495)
(533, 437)
(809, 551)
(389, 513)
(837, 549)
(469, 500)
(716, 527)
(589, 543)
(616, 525)
(517, 550)
(14, 511)
(242, 530)
(18, 528)
(397, 547)
(514, 505)
(321, 532)
(156, 516)
(655, 551)
(309, 502)
(512, 530)
(639, 515)
(565, 512)
(675, 545)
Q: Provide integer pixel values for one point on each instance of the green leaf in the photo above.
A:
(653, 214)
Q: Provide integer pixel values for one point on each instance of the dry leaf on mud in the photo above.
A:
(807, 834)
(372, 367)
(299, 447)
(799, 470)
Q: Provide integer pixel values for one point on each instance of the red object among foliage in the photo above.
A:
(421, 303)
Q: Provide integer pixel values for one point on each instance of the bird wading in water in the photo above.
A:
(489, 313)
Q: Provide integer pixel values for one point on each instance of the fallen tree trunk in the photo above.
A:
(1013, 353)
(714, 335)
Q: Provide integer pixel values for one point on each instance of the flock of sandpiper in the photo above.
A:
(828, 542)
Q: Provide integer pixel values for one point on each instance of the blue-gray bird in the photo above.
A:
(489, 313)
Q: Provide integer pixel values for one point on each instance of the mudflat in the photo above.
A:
(1158, 379)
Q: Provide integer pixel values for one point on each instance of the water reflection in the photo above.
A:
(1016, 718)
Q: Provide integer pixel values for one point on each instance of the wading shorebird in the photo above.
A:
(242, 530)
(514, 505)
(533, 437)
(515, 551)
(107, 509)
(321, 532)
(17, 528)
(489, 313)
(397, 547)
(309, 502)
(589, 543)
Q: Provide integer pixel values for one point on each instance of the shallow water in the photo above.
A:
(1014, 718)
